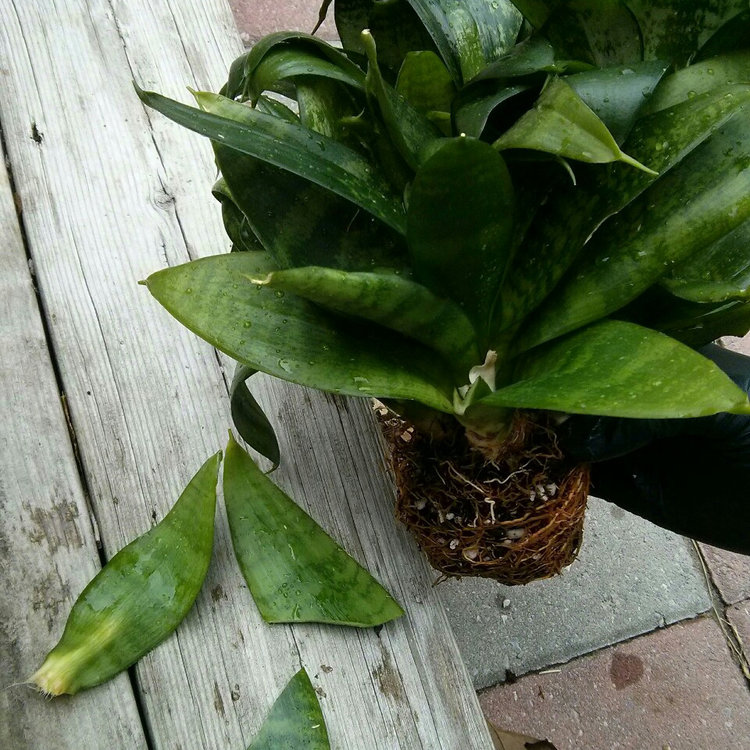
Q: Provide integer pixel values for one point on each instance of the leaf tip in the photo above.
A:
(54, 677)
(259, 280)
(142, 95)
(635, 163)
(232, 444)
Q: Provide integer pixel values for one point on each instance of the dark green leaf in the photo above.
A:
(426, 83)
(688, 209)
(717, 273)
(661, 140)
(412, 134)
(733, 35)
(472, 114)
(460, 224)
(286, 145)
(300, 223)
(616, 95)
(292, 339)
(469, 34)
(394, 24)
(561, 124)
(295, 571)
(619, 369)
(236, 225)
(694, 323)
(296, 721)
(390, 300)
(602, 32)
(536, 11)
(675, 29)
(249, 419)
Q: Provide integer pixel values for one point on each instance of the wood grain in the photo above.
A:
(47, 548)
(112, 193)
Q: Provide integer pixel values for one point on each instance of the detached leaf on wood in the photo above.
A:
(295, 571)
(295, 721)
(139, 597)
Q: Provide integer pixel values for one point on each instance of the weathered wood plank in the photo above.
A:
(114, 194)
(47, 548)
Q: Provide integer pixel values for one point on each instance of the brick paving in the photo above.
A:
(256, 18)
(739, 618)
(677, 688)
(730, 573)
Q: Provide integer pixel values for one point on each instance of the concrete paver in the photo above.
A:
(738, 344)
(677, 688)
(630, 578)
(256, 18)
(730, 573)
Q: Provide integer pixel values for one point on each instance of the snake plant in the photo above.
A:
(478, 207)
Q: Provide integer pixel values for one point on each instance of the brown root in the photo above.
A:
(512, 513)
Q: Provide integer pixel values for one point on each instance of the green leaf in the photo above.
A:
(288, 64)
(426, 83)
(276, 108)
(295, 571)
(236, 225)
(324, 105)
(394, 24)
(560, 123)
(352, 17)
(561, 228)
(602, 32)
(300, 223)
(616, 95)
(534, 55)
(290, 45)
(473, 112)
(718, 273)
(249, 419)
(289, 146)
(390, 300)
(460, 224)
(701, 78)
(619, 369)
(536, 11)
(292, 339)
(499, 82)
(140, 596)
(469, 34)
(411, 132)
(690, 208)
(675, 29)
(733, 35)
(295, 721)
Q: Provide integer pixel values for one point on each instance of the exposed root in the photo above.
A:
(515, 516)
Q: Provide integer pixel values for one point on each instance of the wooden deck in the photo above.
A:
(109, 407)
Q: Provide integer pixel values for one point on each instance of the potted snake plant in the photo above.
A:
(487, 216)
